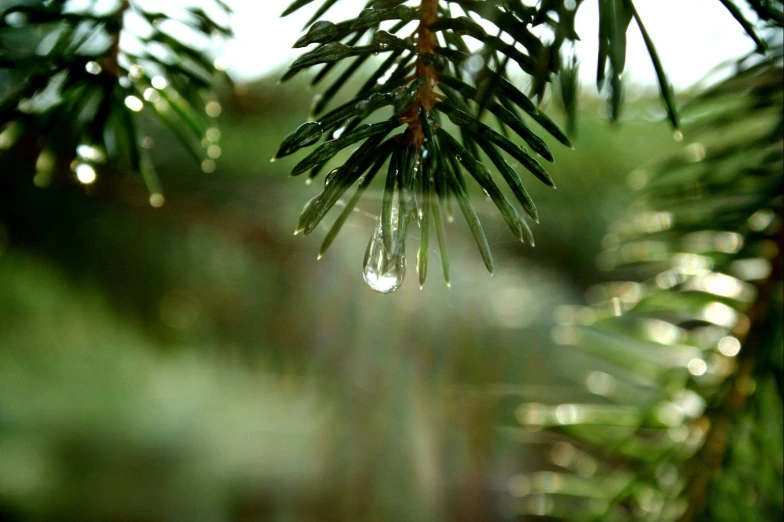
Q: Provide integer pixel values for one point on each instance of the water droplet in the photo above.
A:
(134, 103)
(694, 153)
(93, 67)
(213, 134)
(159, 82)
(383, 272)
(697, 367)
(157, 200)
(85, 173)
(331, 177)
(135, 72)
(214, 151)
(213, 109)
(306, 134)
(90, 153)
(151, 95)
(761, 219)
(338, 132)
(474, 64)
(383, 39)
(208, 166)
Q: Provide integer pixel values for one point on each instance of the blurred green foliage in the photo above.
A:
(153, 357)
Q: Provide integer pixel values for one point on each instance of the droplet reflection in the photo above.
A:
(85, 173)
(93, 67)
(134, 103)
(383, 271)
(729, 346)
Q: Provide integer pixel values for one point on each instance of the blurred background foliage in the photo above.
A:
(195, 361)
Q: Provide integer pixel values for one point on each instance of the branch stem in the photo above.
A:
(426, 98)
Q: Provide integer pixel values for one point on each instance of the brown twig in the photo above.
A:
(426, 97)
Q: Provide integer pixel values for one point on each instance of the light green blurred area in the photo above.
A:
(196, 362)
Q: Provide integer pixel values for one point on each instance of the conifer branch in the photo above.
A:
(431, 76)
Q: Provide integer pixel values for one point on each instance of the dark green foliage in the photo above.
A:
(67, 79)
(429, 72)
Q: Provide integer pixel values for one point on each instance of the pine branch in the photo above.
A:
(422, 176)
(430, 74)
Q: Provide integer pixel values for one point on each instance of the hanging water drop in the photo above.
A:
(383, 272)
